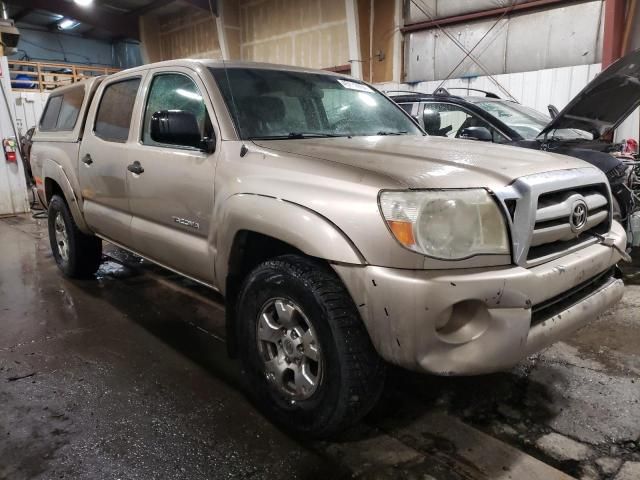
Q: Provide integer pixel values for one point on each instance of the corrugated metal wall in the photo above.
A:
(544, 39)
(449, 8)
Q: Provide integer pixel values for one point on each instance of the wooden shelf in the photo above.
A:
(46, 76)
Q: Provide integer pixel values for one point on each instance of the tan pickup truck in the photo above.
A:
(341, 236)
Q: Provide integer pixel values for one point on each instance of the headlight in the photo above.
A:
(446, 224)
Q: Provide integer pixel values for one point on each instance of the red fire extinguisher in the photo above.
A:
(9, 146)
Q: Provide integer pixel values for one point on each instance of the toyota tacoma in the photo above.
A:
(341, 236)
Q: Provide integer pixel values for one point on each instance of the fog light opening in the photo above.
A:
(463, 322)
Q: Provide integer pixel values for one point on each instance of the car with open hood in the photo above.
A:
(583, 129)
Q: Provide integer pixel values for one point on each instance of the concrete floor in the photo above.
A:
(126, 376)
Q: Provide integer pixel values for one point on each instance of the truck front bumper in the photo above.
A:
(474, 321)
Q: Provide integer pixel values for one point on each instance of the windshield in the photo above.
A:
(527, 121)
(276, 104)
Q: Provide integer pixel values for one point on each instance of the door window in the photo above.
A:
(407, 107)
(449, 120)
(113, 119)
(173, 91)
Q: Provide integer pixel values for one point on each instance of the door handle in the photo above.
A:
(87, 160)
(135, 167)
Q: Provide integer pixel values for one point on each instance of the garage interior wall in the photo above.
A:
(192, 34)
(378, 26)
(307, 33)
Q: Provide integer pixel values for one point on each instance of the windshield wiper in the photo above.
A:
(383, 132)
(312, 135)
(295, 135)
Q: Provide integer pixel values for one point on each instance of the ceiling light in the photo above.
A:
(68, 24)
(83, 3)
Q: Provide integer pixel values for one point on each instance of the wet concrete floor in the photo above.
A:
(126, 376)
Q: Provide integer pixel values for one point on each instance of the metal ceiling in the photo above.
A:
(104, 19)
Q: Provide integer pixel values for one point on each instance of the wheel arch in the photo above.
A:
(257, 228)
(56, 181)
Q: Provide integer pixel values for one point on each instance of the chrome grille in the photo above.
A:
(537, 208)
(553, 230)
(555, 209)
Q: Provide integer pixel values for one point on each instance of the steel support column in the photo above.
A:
(614, 11)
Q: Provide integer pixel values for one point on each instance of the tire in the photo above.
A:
(348, 373)
(78, 255)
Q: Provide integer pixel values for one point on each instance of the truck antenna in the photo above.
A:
(243, 149)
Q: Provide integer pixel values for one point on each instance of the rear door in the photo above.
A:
(172, 199)
(104, 156)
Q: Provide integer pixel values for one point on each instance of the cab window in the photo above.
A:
(113, 118)
(51, 112)
(175, 92)
(70, 108)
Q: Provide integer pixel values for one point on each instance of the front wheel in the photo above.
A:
(78, 255)
(307, 355)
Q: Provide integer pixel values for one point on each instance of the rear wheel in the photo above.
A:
(308, 358)
(78, 255)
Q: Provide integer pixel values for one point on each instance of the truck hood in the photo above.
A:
(605, 102)
(429, 162)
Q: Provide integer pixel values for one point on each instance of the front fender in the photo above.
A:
(288, 222)
(54, 171)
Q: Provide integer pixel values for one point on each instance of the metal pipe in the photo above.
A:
(494, 12)
(5, 14)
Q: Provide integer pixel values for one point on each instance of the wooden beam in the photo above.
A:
(120, 25)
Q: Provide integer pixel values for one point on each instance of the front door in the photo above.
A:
(442, 119)
(104, 158)
(171, 200)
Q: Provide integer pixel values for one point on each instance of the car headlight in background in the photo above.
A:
(446, 224)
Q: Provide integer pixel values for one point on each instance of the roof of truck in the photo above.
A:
(196, 63)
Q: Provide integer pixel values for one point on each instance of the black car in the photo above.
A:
(583, 129)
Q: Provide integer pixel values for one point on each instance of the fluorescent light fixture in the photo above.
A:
(68, 24)
(83, 3)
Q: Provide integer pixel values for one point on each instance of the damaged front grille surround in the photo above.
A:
(554, 213)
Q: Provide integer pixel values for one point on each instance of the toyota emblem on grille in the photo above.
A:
(578, 218)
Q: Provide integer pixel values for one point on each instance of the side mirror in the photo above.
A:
(553, 111)
(178, 127)
(477, 133)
